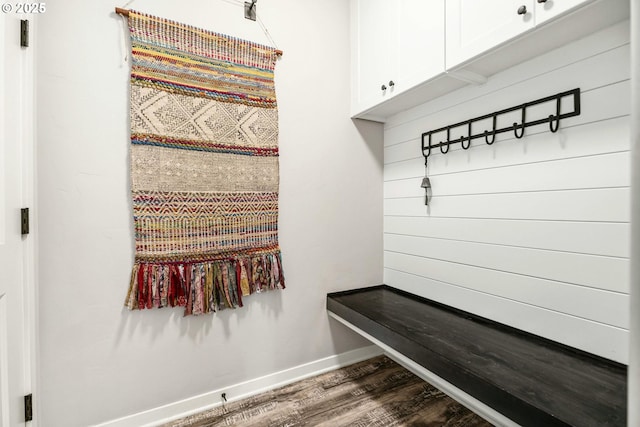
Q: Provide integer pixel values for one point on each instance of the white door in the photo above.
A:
(15, 133)
(475, 26)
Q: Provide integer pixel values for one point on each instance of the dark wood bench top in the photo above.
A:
(529, 379)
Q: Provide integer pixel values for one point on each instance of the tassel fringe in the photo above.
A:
(203, 287)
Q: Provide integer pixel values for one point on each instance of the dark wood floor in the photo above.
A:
(373, 393)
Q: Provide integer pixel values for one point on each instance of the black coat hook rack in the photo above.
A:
(517, 128)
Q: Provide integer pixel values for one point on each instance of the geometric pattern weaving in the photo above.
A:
(204, 168)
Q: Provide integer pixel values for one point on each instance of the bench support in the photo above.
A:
(446, 387)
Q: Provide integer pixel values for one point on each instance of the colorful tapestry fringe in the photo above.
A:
(204, 168)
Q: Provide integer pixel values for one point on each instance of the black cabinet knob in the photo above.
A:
(522, 10)
(391, 83)
(542, 1)
(383, 87)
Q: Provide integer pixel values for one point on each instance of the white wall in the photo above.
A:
(98, 361)
(531, 232)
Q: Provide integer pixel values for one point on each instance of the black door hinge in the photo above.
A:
(28, 407)
(24, 32)
(24, 221)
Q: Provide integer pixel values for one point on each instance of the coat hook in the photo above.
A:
(555, 118)
(468, 139)
(515, 125)
(426, 156)
(442, 144)
(493, 132)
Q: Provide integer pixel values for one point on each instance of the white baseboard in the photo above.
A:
(193, 405)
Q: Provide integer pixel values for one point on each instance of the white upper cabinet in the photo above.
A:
(547, 9)
(419, 42)
(397, 45)
(475, 26)
(372, 61)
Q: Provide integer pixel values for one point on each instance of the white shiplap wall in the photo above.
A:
(530, 232)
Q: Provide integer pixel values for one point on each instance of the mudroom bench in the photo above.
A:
(508, 376)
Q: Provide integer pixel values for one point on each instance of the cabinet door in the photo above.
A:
(419, 47)
(372, 42)
(551, 8)
(474, 26)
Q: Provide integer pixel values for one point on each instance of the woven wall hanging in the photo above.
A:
(204, 168)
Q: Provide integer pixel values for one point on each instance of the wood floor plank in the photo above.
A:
(374, 393)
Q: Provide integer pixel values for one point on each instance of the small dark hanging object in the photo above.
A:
(250, 9)
(426, 184)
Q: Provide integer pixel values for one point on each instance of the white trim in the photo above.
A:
(4, 370)
(193, 405)
(29, 192)
(468, 77)
(634, 297)
(441, 384)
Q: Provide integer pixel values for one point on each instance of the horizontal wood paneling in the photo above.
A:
(610, 205)
(588, 303)
(532, 232)
(608, 341)
(577, 141)
(606, 102)
(540, 176)
(595, 238)
(587, 270)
